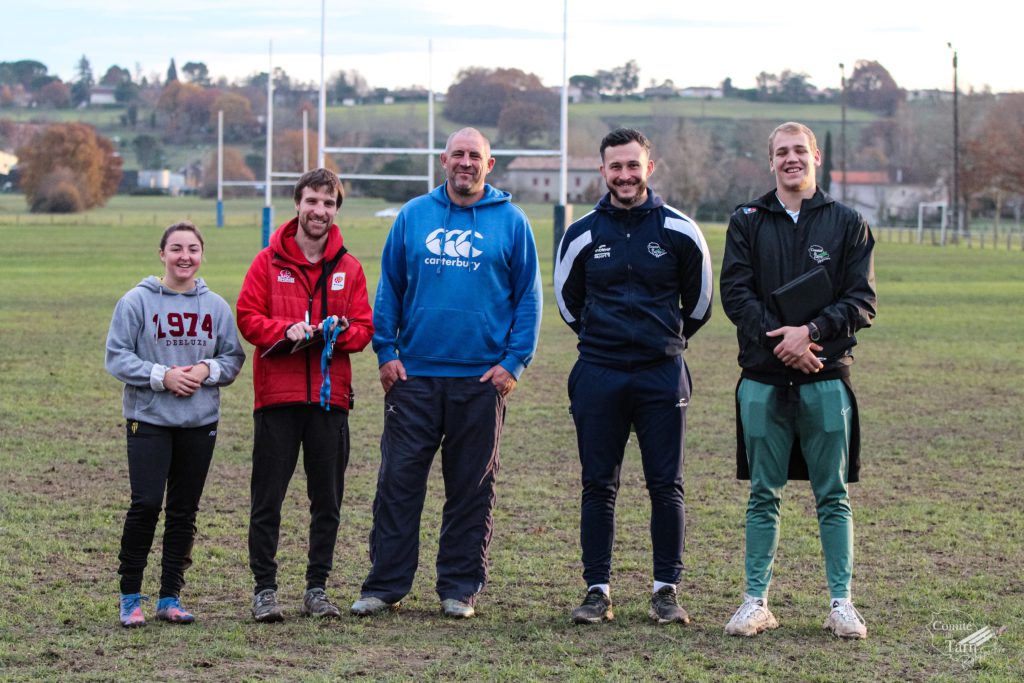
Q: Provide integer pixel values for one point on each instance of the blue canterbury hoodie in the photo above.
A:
(460, 287)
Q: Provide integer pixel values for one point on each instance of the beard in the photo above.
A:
(464, 187)
(639, 195)
(313, 232)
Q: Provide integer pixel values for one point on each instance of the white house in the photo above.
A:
(101, 95)
(536, 179)
(701, 92)
(162, 179)
(7, 161)
(880, 200)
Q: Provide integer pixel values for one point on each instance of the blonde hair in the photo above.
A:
(792, 127)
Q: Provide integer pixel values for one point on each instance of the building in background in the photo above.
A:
(536, 179)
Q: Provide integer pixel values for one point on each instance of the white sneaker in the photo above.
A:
(844, 621)
(751, 618)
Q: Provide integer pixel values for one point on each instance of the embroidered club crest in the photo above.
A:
(286, 276)
(337, 281)
(818, 254)
(656, 250)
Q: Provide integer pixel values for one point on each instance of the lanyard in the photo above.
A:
(332, 328)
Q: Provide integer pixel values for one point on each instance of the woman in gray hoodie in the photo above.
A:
(173, 343)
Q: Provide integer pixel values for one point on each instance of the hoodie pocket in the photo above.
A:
(450, 334)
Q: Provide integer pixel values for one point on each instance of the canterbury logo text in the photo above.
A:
(451, 247)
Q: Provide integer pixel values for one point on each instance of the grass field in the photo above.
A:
(939, 521)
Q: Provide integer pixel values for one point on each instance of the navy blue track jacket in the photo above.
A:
(634, 284)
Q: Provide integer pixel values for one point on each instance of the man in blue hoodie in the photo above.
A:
(633, 280)
(456, 319)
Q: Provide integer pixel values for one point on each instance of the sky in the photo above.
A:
(693, 44)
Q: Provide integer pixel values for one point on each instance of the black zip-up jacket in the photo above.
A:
(633, 284)
(765, 249)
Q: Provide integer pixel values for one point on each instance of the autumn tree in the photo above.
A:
(479, 94)
(288, 154)
(683, 159)
(54, 94)
(235, 168)
(527, 116)
(992, 163)
(115, 76)
(239, 121)
(184, 109)
(68, 167)
(871, 87)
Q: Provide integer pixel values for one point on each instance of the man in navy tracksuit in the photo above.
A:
(633, 280)
(457, 317)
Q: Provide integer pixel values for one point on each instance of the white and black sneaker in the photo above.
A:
(596, 607)
(265, 608)
(316, 604)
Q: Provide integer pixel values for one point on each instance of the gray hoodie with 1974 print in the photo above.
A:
(154, 329)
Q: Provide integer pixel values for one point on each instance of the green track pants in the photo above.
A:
(821, 421)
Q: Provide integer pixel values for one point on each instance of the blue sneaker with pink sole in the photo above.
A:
(169, 609)
(131, 610)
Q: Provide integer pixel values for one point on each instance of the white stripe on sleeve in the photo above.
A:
(686, 226)
(564, 266)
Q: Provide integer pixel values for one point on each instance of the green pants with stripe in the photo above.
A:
(821, 421)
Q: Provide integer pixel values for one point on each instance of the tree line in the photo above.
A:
(704, 167)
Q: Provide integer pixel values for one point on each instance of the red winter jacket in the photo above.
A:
(279, 289)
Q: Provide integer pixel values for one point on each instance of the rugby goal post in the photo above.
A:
(943, 219)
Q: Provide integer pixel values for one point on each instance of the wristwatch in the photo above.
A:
(813, 331)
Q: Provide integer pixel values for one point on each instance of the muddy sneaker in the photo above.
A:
(844, 621)
(131, 610)
(596, 607)
(665, 609)
(751, 618)
(169, 609)
(316, 604)
(365, 607)
(265, 608)
(457, 609)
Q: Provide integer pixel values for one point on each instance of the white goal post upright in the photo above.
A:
(943, 219)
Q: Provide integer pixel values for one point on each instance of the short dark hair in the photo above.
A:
(319, 178)
(187, 226)
(624, 136)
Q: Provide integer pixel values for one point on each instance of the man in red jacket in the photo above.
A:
(292, 290)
